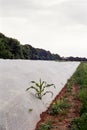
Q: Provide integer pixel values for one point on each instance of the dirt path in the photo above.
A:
(62, 121)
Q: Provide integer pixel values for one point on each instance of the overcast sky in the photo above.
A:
(59, 26)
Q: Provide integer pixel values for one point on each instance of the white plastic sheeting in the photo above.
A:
(15, 102)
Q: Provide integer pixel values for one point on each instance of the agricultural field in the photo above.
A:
(21, 104)
(69, 109)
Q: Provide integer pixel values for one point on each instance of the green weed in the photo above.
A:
(79, 123)
(46, 126)
(58, 107)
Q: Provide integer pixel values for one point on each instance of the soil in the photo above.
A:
(62, 121)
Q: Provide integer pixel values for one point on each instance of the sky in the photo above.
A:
(59, 26)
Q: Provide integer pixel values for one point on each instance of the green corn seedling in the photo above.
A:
(40, 88)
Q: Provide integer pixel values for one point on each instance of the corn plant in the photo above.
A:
(40, 88)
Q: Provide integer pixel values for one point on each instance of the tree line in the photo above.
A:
(71, 58)
(11, 48)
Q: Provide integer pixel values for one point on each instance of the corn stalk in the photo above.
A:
(40, 88)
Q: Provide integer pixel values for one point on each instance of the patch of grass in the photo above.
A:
(69, 84)
(79, 123)
(46, 126)
(80, 77)
(83, 98)
(83, 95)
(58, 107)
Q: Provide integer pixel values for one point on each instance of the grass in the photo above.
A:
(80, 77)
(59, 106)
(79, 123)
(46, 126)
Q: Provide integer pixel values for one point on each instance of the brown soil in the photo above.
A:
(62, 121)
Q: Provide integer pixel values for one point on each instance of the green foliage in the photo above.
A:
(83, 98)
(46, 126)
(15, 48)
(12, 49)
(26, 52)
(80, 77)
(79, 123)
(40, 88)
(58, 107)
(69, 85)
(83, 94)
